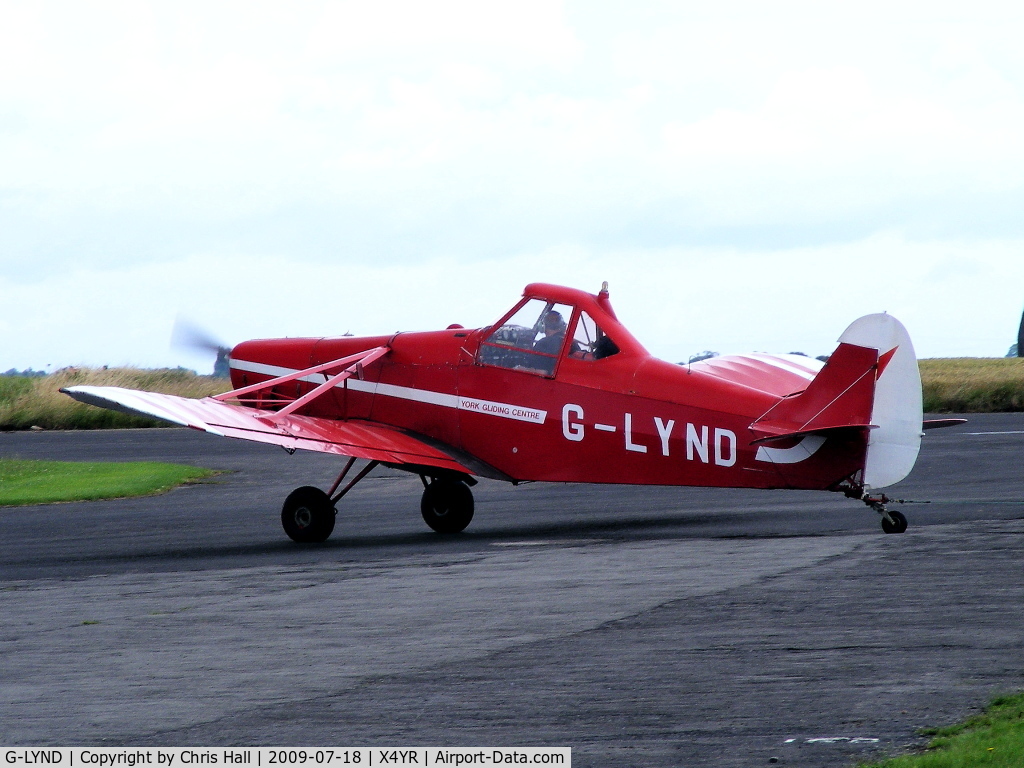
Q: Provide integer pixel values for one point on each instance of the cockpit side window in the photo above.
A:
(591, 343)
(530, 340)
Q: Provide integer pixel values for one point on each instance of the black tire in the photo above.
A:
(447, 505)
(308, 515)
(899, 520)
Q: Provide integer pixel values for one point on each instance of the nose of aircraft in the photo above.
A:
(187, 335)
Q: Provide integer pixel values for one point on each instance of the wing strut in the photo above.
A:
(354, 365)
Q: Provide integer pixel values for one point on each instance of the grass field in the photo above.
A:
(43, 482)
(954, 385)
(973, 384)
(994, 739)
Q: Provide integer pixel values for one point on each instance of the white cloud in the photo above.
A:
(707, 160)
(956, 299)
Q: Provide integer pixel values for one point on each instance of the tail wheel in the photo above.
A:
(898, 524)
(447, 505)
(308, 515)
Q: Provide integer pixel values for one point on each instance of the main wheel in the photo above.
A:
(447, 505)
(308, 515)
(899, 520)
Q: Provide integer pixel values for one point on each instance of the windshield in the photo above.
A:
(590, 342)
(530, 340)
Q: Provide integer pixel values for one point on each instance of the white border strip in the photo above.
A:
(486, 407)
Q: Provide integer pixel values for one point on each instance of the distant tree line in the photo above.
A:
(26, 372)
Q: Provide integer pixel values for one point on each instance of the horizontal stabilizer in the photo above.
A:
(942, 423)
(786, 435)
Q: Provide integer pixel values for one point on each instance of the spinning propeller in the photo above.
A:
(189, 336)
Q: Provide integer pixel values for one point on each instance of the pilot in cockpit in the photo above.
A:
(554, 332)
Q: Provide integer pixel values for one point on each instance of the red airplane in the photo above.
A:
(558, 390)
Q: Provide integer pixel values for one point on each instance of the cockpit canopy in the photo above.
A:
(539, 332)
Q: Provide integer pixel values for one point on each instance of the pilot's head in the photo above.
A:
(553, 323)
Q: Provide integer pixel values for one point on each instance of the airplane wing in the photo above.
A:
(359, 438)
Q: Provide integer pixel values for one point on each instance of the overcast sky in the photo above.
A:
(746, 175)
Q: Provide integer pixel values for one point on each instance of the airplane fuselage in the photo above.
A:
(627, 419)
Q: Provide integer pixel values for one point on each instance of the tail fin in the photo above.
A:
(897, 410)
(871, 382)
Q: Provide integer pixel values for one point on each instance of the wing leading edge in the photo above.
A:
(358, 438)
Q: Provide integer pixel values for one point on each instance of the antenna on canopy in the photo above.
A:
(602, 300)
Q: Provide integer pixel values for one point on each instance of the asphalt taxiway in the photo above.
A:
(640, 626)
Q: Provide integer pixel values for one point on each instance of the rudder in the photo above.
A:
(897, 410)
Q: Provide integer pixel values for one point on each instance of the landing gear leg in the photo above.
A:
(892, 521)
(308, 514)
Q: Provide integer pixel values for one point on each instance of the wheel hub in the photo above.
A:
(303, 517)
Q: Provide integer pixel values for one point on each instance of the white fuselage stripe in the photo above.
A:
(275, 371)
(488, 407)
